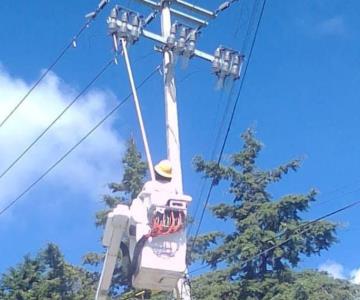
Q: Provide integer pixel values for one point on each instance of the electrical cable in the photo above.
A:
(32, 144)
(71, 44)
(351, 205)
(225, 116)
(230, 122)
(108, 115)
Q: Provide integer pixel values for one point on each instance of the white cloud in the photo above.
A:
(87, 169)
(334, 269)
(355, 276)
(337, 271)
(332, 26)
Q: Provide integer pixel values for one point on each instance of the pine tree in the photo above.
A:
(47, 276)
(259, 223)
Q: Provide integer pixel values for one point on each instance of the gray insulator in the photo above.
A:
(224, 6)
(192, 35)
(217, 53)
(135, 21)
(173, 29)
(216, 65)
(112, 26)
(183, 32)
(123, 29)
(114, 13)
(135, 33)
(227, 55)
(235, 71)
(171, 41)
(236, 59)
(181, 43)
(225, 67)
(190, 48)
(124, 17)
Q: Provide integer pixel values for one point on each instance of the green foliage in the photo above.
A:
(47, 276)
(135, 171)
(259, 222)
(307, 285)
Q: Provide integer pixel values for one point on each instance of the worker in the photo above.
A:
(162, 186)
(163, 171)
(155, 192)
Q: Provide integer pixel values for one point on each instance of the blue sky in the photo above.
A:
(301, 94)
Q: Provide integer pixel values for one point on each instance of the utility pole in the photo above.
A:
(176, 39)
(172, 125)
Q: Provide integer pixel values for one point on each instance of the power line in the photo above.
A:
(351, 205)
(230, 122)
(27, 149)
(71, 44)
(224, 118)
(108, 115)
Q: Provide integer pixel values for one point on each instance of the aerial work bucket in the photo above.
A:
(159, 256)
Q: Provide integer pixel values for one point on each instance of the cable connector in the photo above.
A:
(224, 6)
(150, 18)
(102, 4)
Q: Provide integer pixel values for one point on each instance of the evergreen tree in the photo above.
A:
(306, 285)
(259, 222)
(47, 276)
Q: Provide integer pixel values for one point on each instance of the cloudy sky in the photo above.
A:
(301, 94)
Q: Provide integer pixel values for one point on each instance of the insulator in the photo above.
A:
(235, 66)
(183, 32)
(114, 13)
(192, 35)
(124, 17)
(135, 23)
(225, 67)
(216, 64)
(224, 6)
(135, 20)
(227, 55)
(123, 30)
(236, 59)
(180, 45)
(190, 47)
(235, 71)
(173, 29)
(217, 53)
(102, 4)
(112, 26)
(171, 41)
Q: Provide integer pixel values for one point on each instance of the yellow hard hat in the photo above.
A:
(164, 169)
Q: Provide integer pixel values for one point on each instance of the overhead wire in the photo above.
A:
(55, 164)
(225, 6)
(71, 44)
(242, 80)
(52, 123)
(304, 225)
